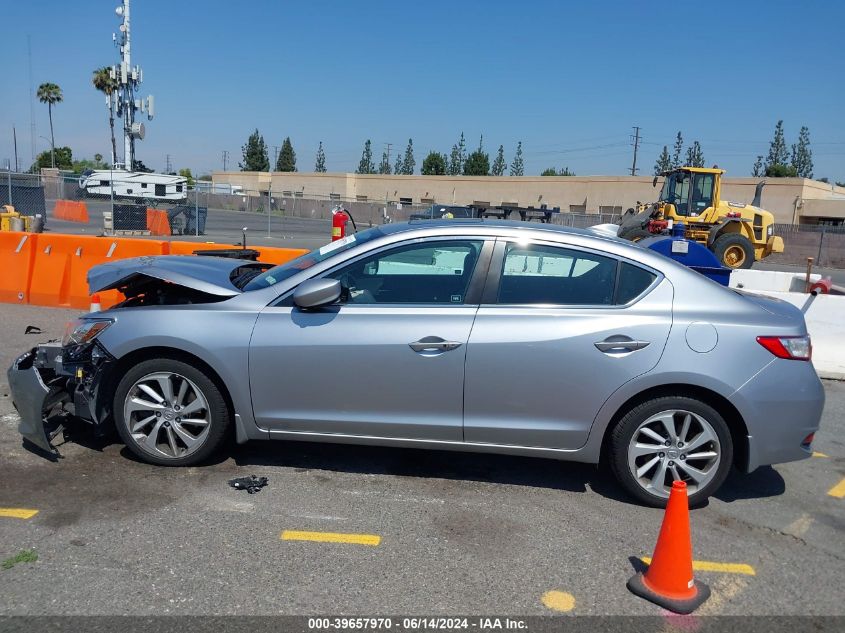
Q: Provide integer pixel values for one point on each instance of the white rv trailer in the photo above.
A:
(134, 185)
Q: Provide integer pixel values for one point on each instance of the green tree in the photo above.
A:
(366, 165)
(50, 94)
(518, 165)
(320, 163)
(802, 155)
(103, 82)
(551, 171)
(778, 155)
(499, 165)
(695, 157)
(397, 166)
(457, 158)
(255, 154)
(408, 162)
(758, 169)
(779, 170)
(840, 184)
(186, 173)
(478, 163)
(384, 165)
(677, 150)
(663, 163)
(287, 157)
(434, 164)
(62, 158)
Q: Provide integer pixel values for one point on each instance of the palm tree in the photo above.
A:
(50, 94)
(103, 82)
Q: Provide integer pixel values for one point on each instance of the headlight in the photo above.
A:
(81, 331)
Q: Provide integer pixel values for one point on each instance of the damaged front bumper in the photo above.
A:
(51, 384)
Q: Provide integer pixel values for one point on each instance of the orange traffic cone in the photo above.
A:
(668, 581)
(95, 303)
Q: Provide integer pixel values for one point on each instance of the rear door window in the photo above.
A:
(541, 274)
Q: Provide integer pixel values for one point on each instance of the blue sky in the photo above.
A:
(568, 79)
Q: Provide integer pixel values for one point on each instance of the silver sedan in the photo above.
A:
(461, 335)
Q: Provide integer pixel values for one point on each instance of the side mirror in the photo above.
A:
(654, 182)
(316, 293)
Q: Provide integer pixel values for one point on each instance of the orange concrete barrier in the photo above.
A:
(51, 269)
(62, 262)
(17, 252)
(158, 223)
(275, 255)
(70, 211)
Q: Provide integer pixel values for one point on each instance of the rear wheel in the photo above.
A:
(170, 413)
(668, 439)
(734, 250)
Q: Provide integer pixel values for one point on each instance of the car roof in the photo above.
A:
(492, 223)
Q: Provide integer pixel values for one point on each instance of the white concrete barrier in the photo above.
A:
(755, 280)
(825, 317)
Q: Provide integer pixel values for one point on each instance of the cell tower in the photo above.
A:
(128, 79)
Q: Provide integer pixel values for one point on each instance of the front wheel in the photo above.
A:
(734, 251)
(170, 413)
(668, 439)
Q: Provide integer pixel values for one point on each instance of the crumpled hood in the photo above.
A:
(211, 275)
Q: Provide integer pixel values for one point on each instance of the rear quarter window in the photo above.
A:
(633, 281)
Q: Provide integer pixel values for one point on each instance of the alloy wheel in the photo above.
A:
(167, 415)
(674, 445)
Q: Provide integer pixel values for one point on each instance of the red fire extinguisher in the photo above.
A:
(339, 220)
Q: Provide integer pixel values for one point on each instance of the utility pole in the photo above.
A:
(225, 158)
(168, 167)
(636, 147)
(15, 137)
(388, 146)
(31, 101)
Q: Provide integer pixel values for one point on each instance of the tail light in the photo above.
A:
(789, 347)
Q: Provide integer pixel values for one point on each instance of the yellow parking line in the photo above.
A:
(706, 565)
(331, 537)
(817, 454)
(17, 513)
(838, 490)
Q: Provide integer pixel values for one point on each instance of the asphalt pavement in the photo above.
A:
(431, 532)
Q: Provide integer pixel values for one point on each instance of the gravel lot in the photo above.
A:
(459, 533)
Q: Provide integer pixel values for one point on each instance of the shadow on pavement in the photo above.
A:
(763, 482)
(409, 462)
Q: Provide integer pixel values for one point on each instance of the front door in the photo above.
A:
(554, 338)
(388, 361)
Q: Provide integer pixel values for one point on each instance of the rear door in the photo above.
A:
(558, 331)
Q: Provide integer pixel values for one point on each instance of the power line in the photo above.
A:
(636, 147)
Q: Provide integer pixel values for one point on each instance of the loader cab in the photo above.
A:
(691, 192)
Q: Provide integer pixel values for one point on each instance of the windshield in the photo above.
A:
(289, 269)
(676, 191)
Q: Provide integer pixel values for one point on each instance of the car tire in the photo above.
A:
(694, 422)
(166, 438)
(734, 251)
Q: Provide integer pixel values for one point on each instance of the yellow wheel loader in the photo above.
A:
(738, 234)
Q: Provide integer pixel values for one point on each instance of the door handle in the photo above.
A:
(617, 344)
(434, 344)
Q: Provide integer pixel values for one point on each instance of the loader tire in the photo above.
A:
(734, 251)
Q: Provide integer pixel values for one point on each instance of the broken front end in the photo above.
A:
(59, 381)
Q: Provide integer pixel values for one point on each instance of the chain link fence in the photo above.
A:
(118, 204)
